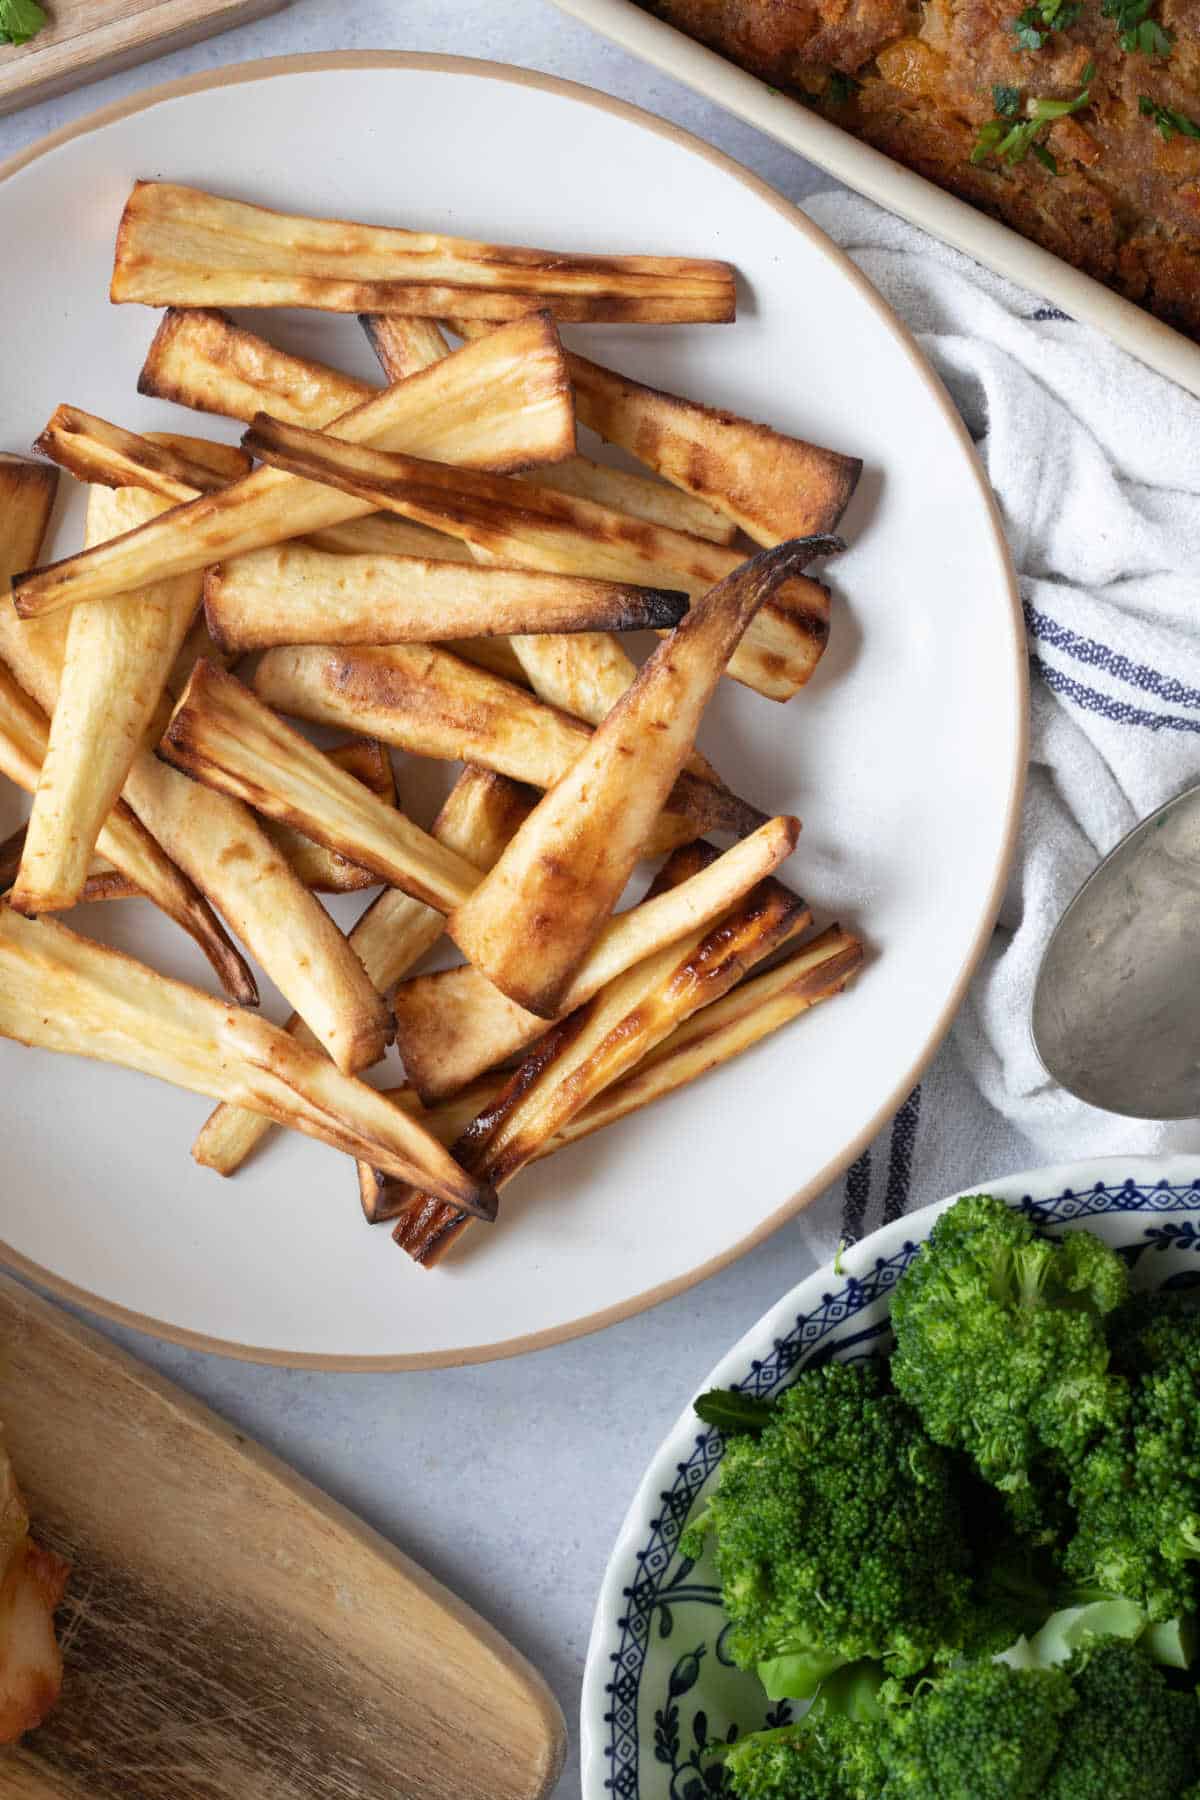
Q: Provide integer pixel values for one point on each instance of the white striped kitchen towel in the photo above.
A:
(1095, 461)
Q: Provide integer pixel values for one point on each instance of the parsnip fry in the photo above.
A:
(94, 450)
(452, 1025)
(124, 842)
(178, 246)
(292, 594)
(531, 922)
(117, 658)
(34, 652)
(480, 815)
(505, 523)
(502, 403)
(711, 1037)
(427, 701)
(405, 345)
(104, 882)
(771, 485)
(586, 1052)
(323, 871)
(62, 992)
(221, 734)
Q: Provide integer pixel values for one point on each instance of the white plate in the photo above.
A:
(882, 179)
(904, 757)
(658, 1683)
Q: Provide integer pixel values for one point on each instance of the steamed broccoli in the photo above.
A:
(839, 1535)
(1137, 1492)
(1128, 1735)
(832, 1754)
(984, 1732)
(1108, 1726)
(1000, 1347)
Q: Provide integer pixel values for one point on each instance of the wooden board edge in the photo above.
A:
(37, 75)
(543, 1705)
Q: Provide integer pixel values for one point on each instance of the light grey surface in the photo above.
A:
(508, 1480)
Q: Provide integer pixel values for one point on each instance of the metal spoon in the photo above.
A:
(1116, 1009)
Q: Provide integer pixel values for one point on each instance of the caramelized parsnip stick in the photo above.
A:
(480, 815)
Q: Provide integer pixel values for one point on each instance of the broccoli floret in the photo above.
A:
(839, 1761)
(1137, 1496)
(1155, 1331)
(1129, 1734)
(1000, 1346)
(839, 1535)
(984, 1732)
(831, 1754)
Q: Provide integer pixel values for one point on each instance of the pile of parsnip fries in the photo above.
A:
(428, 565)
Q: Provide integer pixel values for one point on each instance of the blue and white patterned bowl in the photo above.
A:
(659, 1682)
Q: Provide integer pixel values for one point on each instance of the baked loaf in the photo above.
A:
(1112, 186)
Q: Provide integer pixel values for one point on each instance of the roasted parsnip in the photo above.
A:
(480, 815)
(504, 403)
(716, 1034)
(62, 992)
(586, 1052)
(116, 662)
(427, 701)
(178, 246)
(452, 1025)
(33, 652)
(224, 736)
(293, 594)
(533, 919)
(770, 485)
(505, 523)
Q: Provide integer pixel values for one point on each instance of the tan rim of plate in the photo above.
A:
(269, 68)
(890, 185)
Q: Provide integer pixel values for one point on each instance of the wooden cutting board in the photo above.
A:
(231, 1633)
(89, 38)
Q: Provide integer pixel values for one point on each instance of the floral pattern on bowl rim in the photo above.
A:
(659, 1684)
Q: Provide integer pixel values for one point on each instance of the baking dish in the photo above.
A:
(893, 186)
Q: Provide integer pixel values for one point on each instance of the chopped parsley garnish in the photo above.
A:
(1169, 121)
(1012, 143)
(1137, 31)
(841, 87)
(1006, 100)
(20, 20)
(1034, 25)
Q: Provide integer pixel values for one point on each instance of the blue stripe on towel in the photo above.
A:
(1099, 656)
(900, 1158)
(1118, 712)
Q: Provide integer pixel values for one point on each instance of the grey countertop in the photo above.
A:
(557, 1441)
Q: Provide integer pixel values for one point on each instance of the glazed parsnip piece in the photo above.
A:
(770, 485)
(324, 871)
(590, 1049)
(179, 246)
(224, 736)
(33, 652)
(427, 701)
(533, 919)
(293, 594)
(97, 451)
(124, 842)
(586, 674)
(479, 816)
(452, 1025)
(319, 869)
(63, 992)
(116, 661)
(502, 403)
(505, 523)
(405, 345)
(754, 1009)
